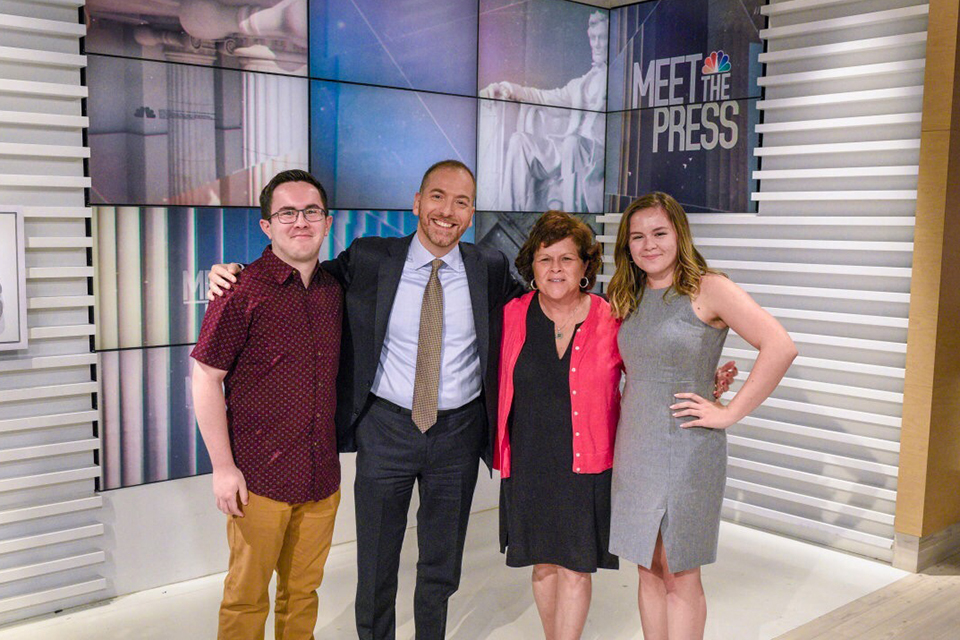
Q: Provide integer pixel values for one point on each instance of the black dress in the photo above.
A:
(548, 513)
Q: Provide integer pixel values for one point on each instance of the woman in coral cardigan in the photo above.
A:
(559, 405)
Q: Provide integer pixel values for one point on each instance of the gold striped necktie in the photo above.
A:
(426, 383)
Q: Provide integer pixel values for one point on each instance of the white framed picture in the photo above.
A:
(13, 281)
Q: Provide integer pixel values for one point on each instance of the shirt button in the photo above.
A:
(577, 433)
(576, 348)
(578, 455)
(574, 369)
(576, 413)
(574, 392)
(578, 469)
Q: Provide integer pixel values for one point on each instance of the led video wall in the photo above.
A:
(195, 105)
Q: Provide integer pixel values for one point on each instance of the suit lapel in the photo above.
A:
(477, 281)
(391, 269)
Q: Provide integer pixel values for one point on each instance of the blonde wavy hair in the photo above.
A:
(629, 281)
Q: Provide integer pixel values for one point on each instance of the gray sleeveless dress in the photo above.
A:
(665, 478)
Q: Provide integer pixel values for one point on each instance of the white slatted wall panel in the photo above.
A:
(50, 529)
(829, 254)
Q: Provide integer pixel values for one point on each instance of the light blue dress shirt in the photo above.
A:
(459, 357)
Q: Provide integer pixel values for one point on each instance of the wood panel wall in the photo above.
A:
(929, 479)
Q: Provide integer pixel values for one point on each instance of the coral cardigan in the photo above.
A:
(595, 370)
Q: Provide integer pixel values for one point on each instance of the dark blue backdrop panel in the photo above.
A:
(415, 44)
(371, 145)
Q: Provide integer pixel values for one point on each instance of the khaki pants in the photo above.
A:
(294, 540)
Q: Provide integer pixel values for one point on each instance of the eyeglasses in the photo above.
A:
(290, 215)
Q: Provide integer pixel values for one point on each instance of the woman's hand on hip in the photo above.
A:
(711, 415)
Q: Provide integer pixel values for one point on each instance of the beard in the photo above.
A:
(442, 237)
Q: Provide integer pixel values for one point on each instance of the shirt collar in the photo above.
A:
(278, 270)
(420, 257)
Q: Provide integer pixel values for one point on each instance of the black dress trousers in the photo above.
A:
(392, 453)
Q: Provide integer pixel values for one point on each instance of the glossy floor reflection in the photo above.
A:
(763, 585)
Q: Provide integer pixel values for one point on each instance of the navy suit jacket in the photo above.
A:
(370, 271)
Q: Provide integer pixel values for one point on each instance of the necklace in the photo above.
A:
(559, 328)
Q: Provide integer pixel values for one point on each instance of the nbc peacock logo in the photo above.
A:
(716, 62)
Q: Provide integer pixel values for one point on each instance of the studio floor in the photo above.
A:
(762, 586)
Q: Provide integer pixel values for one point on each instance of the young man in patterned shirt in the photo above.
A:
(264, 390)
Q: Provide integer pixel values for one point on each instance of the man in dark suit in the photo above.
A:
(384, 281)
(417, 394)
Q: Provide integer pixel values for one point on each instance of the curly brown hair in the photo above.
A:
(552, 227)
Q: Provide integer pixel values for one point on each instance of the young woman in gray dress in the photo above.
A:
(670, 458)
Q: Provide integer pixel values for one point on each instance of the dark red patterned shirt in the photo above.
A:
(280, 344)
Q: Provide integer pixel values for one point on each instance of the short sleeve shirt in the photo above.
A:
(280, 345)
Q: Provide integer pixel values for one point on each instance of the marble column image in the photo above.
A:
(108, 338)
(156, 331)
(275, 130)
(186, 313)
(493, 133)
(191, 114)
(130, 334)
